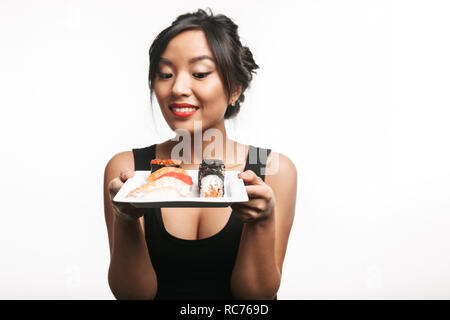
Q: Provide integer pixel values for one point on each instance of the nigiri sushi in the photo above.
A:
(165, 182)
(156, 164)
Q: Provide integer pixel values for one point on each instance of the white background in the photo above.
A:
(356, 93)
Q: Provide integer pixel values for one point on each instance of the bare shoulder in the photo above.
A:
(280, 169)
(117, 163)
(281, 176)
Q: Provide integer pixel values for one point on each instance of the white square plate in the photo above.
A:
(234, 192)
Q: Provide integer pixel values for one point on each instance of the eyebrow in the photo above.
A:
(191, 61)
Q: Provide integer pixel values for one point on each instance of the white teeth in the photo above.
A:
(183, 109)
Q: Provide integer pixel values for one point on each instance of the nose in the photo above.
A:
(182, 85)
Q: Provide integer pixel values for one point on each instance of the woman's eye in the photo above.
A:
(162, 75)
(201, 75)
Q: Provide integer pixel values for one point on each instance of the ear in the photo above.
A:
(236, 94)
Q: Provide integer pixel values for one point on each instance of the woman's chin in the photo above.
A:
(189, 127)
(182, 128)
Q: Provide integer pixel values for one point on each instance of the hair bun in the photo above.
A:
(249, 62)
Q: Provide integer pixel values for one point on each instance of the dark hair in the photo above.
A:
(235, 62)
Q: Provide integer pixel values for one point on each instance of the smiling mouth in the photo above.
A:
(183, 111)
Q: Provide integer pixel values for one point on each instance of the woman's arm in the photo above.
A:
(131, 274)
(270, 214)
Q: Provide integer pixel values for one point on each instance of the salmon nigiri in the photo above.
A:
(167, 181)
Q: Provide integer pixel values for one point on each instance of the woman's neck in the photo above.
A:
(212, 143)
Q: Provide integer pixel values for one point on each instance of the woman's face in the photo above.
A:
(188, 74)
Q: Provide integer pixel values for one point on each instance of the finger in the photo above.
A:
(114, 186)
(259, 191)
(259, 205)
(250, 177)
(237, 206)
(126, 174)
(118, 206)
(128, 211)
(246, 214)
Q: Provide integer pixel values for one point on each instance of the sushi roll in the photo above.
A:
(156, 164)
(211, 178)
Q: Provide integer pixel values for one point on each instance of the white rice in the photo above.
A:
(211, 181)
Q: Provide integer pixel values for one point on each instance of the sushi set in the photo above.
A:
(168, 185)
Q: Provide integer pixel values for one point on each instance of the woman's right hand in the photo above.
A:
(123, 211)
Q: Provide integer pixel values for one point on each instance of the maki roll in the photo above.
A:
(156, 164)
(211, 178)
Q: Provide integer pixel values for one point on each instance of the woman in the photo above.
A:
(199, 71)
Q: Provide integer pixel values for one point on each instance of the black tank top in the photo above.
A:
(194, 269)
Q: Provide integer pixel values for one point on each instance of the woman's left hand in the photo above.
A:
(261, 199)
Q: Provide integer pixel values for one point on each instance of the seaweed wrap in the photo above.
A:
(211, 178)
